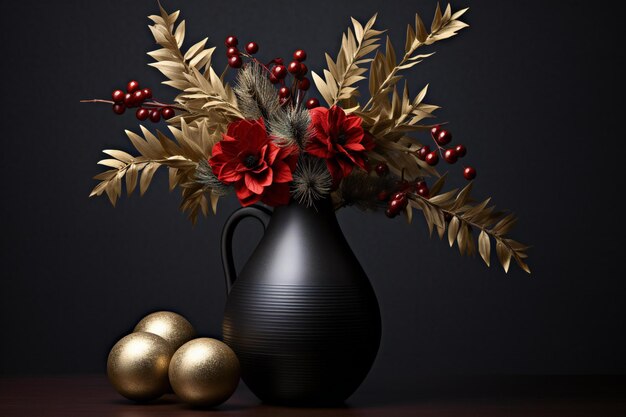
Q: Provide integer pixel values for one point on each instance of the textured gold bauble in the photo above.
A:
(138, 364)
(204, 372)
(170, 326)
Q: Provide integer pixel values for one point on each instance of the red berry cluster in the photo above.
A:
(298, 69)
(277, 70)
(135, 97)
(443, 137)
(234, 55)
(399, 199)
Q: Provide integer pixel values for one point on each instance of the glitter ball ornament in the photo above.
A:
(172, 327)
(137, 366)
(204, 372)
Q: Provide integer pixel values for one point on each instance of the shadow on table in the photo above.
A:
(495, 387)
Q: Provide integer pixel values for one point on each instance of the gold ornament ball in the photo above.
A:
(204, 372)
(138, 364)
(170, 326)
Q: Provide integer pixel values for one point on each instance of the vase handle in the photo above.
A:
(260, 213)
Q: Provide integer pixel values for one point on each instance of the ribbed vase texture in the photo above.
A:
(302, 316)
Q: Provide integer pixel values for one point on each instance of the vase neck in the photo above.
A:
(322, 212)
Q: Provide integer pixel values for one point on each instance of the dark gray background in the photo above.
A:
(531, 88)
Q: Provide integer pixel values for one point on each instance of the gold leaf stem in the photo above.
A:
(484, 228)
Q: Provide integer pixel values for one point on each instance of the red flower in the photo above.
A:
(249, 160)
(340, 139)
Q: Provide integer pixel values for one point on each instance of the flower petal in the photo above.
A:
(318, 148)
(272, 152)
(252, 184)
(227, 172)
(282, 172)
(355, 147)
(265, 178)
(335, 171)
(245, 196)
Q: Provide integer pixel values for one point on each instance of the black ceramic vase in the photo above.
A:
(301, 316)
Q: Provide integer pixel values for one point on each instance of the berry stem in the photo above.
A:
(300, 97)
(265, 67)
(97, 100)
(224, 72)
(151, 104)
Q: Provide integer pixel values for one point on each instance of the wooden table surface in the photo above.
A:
(528, 396)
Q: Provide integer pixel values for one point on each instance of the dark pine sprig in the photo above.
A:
(362, 190)
(256, 96)
(311, 180)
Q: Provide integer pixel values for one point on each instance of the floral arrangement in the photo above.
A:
(264, 141)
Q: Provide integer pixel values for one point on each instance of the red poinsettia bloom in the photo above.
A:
(248, 159)
(340, 139)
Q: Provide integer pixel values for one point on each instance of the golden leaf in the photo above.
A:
(466, 216)
(504, 255)
(453, 230)
(484, 246)
(113, 163)
(131, 178)
(119, 155)
(203, 95)
(342, 74)
(146, 176)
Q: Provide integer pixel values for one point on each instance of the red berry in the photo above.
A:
(469, 173)
(138, 97)
(142, 114)
(420, 184)
(424, 192)
(235, 61)
(284, 92)
(232, 51)
(460, 151)
(422, 152)
(401, 197)
(167, 112)
(304, 84)
(279, 71)
(383, 196)
(118, 96)
(390, 213)
(231, 41)
(381, 169)
(278, 61)
(128, 100)
(294, 67)
(397, 205)
(252, 48)
(444, 137)
(434, 131)
(155, 115)
(312, 103)
(299, 55)
(450, 156)
(302, 71)
(147, 93)
(432, 158)
(132, 86)
(273, 79)
(119, 108)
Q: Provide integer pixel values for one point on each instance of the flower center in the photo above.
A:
(341, 138)
(251, 161)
